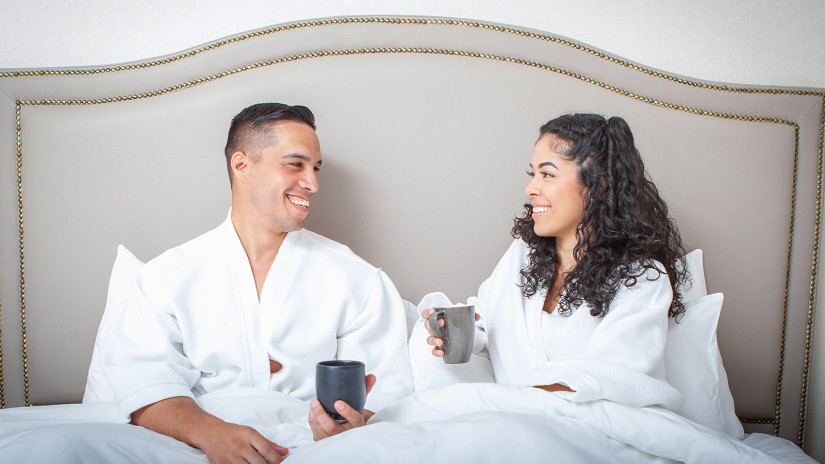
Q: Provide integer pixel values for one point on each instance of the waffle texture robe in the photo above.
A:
(193, 323)
(616, 357)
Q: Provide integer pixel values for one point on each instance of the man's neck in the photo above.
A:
(260, 243)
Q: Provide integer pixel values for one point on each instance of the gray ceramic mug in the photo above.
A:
(340, 380)
(458, 332)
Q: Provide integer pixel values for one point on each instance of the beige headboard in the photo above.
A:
(426, 127)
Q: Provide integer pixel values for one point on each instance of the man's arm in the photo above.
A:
(223, 442)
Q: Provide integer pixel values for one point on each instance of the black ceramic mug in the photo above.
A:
(340, 380)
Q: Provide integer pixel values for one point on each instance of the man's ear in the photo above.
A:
(239, 162)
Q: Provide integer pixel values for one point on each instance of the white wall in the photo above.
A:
(741, 41)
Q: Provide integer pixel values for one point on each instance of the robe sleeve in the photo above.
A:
(625, 348)
(143, 357)
(376, 333)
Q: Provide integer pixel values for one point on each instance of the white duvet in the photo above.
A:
(478, 422)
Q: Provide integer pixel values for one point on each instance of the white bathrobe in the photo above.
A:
(617, 357)
(193, 323)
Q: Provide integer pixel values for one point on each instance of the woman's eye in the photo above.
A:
(547, 175)
(530, 174)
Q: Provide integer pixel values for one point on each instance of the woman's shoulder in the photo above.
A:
(517, 254)
(645, 276)
(649, 269)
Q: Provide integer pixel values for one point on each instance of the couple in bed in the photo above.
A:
(578, 305)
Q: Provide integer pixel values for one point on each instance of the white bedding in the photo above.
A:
(478, 422)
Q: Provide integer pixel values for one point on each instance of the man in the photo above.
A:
(256, 302)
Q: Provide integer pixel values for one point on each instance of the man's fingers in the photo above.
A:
(432, 341)
(349, 413)
(326, 423)
(369, 382)
(438, 353)
(269, 450)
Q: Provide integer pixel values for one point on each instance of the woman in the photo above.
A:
(580, 302)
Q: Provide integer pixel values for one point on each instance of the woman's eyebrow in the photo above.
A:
(545, 163)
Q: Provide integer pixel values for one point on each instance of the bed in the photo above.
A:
(420, 121)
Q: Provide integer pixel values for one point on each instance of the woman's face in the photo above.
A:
(555, 192)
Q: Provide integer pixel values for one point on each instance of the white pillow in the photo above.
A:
(696, 288)
(124, 274)
(693, 365)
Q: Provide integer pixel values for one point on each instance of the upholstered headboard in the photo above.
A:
(426, 126)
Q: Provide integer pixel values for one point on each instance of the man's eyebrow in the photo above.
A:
(301, 156)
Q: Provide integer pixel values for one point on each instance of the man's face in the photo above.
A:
(283, 176)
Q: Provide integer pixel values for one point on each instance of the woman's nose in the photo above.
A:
(531, 188)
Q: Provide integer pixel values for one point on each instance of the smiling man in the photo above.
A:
(256, 302)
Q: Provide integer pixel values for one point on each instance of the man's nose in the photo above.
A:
(310, 182)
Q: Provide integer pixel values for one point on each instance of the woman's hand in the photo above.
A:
(431, 339)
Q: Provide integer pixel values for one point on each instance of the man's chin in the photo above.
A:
(295, 226)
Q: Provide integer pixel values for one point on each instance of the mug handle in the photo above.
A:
(433, 320)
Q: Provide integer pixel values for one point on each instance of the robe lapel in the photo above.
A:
(279, 280)
(532, 320)
(257, 368)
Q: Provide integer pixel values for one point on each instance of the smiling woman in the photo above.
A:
(595, 221)
(595, 246)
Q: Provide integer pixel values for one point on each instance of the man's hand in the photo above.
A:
(233, 443)
(431, 339)
(181, 418)
(324, 426)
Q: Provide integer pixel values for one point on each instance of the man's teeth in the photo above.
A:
(299, 202)
(541, 209)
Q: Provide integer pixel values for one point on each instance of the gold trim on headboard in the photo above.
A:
(809, 332)
(470, 54)
(406, 21)
(18, 107)
(2, 390)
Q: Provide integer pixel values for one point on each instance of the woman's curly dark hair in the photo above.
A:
(624, 227)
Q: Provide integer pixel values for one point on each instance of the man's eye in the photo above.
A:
(317, 168)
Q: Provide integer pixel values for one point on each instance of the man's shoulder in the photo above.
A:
(327, 249)
(190, 254)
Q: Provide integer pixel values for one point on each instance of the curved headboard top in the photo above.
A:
(426, 125)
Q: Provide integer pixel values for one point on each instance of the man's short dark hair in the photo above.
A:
(254, 121)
